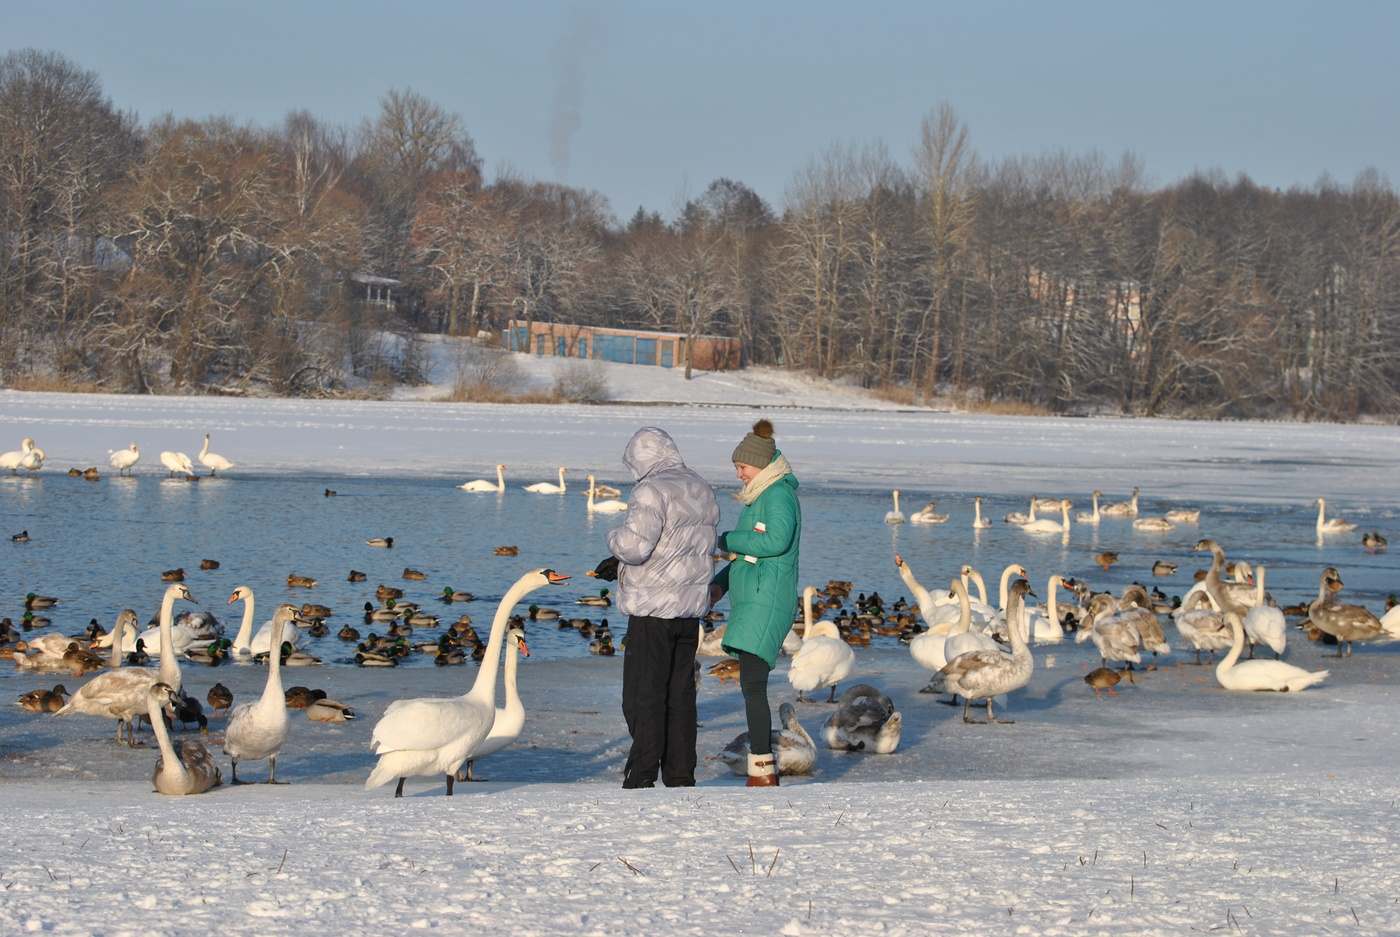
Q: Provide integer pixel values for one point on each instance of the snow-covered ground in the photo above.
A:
(1173, 806)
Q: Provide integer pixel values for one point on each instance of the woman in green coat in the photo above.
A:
(761, 582)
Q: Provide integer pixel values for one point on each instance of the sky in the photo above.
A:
(649, 103)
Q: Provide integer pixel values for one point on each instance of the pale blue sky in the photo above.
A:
(668, 97)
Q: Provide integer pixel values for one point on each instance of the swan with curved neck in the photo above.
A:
(258, 729)
(121, 693)
(245, 642)
(1277, 675)
(213, 462)
(610, 506)
(929, 648)
(510, 718)
(1237, 597)
(431, 736)
(549, 488)
(11, 460)
(824, 659)
(185, 767)
(481, 484)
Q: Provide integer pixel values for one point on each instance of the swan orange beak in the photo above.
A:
(523, 649)
(555, 578)
(897, 560)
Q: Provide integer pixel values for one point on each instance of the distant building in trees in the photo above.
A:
(626, 346)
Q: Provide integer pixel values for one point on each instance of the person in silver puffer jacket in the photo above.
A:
(664, 558)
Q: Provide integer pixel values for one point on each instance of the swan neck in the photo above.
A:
(1236, 643)
(273, 689)
(964, 609)
(244, 642)
(171, 764)
(485, 685)
(169, 666)
(807, 595)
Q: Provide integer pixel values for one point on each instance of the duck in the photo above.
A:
(506, 551)
(380, 541)
(300, 697)
(123, 459)
(449, 653)
(1163, 568)
(482, 484)
(11, 460)
(987, 674)
(600, 600)
(1331, 525)
(383, 592)
(726, 671)
(21, 537)
(328, 710)
(978, 521)
(509, 720)
(311, 610)
(184, 767)
(173, 575)
(356, 576)
(824, 659)
(797, 753)
(1127, 508)
(1093, 517)
(304, 582)
(1159, 525)
(608, 506)
(32, 601)
(1106, 559)
(389, 611)
(44, 701)
(602, 646)
(864, 721)
(291, 657)
(1255, 675)
(543, 614)
(177, 462)
(208, 564)
(347, 633)
(1183, 515)
(258, 729)
(219, 697)
(1106, 678)
(450, 594)
(414, 575)
(430, 736)
(1374, 542)
(1346, 623)
(896, 516)
(928, 515)
(548, 488)
(121, 693)
(1264, 623)
(248, 643)
(214, 463)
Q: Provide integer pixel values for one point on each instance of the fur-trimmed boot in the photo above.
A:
(763, 770)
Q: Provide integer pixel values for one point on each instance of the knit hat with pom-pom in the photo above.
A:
(757, 448)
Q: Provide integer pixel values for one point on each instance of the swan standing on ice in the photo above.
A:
(429, 736)
(864, 721)
(824, 659)
(481, 484)
(986, 674)
(177, 462)
(1346, 623)
(257, 730)
(1265, 624)
(510, 718)
(610, 506)
(123, 459)
(214, 463)
(184, 767)
(1116, 637)
(33, 460)
(1260, 674)
(896, 516)
(549, 488)
(930, 648)
(12, 459)
(1334, 525)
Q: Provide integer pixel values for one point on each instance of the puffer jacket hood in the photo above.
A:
(650, 450)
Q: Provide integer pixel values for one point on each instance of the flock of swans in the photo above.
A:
(31, 458)
(602, 499)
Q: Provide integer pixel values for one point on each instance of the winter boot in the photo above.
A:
(763, 770)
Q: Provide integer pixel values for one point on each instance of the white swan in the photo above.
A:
(1085, 517)
(1334, 525)
(1237, 597)
(1265, 624)
(430, 736)
(978, 521)
(938, 612)
(120, 693)
(12, 459)
(824, 660)
(797, 753)
(481, 484)
(123, 459)
(928, 515)
(929, 649)
(258, 729)
(986, 674)
(864, 721)
(1199, 621)
(1153, 524)
(1043, 623)
(245, 642)
(33, 460)
(549, 488)
(510, 718)
(1046, 526)
(1020, 517)
(610, 506)
(711, 643)
(896, 516)
(214, 463)
(184, 767)
(1183, 515)
(1260, 674)
(1121, 508)
(177, 462)
(602, 491)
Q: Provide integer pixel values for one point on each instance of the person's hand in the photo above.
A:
(716, 593)
(606, 570)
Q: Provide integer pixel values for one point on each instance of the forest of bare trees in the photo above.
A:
(204, 256)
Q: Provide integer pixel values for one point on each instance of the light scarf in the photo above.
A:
(771, 472)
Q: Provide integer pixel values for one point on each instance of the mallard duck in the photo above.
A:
(208, 564)
(310, 610)
(449, 653)
(384, 593)
(1163, 568)
(300, 697)
(291, 657)
(600, 600)
(543, 614)
(450, 594)
(1374, 542)
(1106, 678)
(304, 582)
(213, 653)
(355, 576)
(44, 701)
(330, 493)
(380, 541)
(375, 659)
(91, 474)
(506, 551)
(726, 671)
(219, 697)
(603, 646)
(328, 710)
(1106, 559)
(387, 612)
(173, 575)
(318, 629)
(348, 634)
(414, 575)
(21, 537)
(32, 601)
